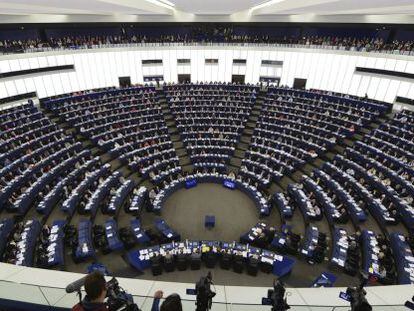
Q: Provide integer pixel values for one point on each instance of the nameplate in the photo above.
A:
(229, 184)
(190, 183)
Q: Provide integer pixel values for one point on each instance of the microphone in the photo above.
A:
(75, 286)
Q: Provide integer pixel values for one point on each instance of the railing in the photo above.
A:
(34, 297)
(204, 44)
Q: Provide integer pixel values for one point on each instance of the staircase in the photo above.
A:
(246, 136)
(174, 133)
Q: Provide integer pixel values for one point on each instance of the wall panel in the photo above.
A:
(328, 70)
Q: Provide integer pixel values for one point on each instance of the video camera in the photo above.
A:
(117, 298)
(276, 297)
(204, 293)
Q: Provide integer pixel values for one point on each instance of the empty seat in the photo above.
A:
(169, 264)
(156, 268)
(266, 267)
(195, 261)
(253, 266)
(238, 264)
(210, 260)
(225, 262)
(182, 262)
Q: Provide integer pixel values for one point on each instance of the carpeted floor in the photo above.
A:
(186, 209)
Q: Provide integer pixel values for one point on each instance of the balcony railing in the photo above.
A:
(13, 50)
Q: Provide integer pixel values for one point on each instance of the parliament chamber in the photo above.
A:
(159, 152)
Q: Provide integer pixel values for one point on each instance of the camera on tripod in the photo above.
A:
(204, 293)
(276, 297)
(410, 304)
(356, 296)
(118, 298)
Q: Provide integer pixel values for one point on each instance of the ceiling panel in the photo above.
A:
(108, 7)
(215, 6)
(334, 7)
(345, 11)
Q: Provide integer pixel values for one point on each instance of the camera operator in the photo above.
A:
(204, 293)
(95, 287)
(171, 303)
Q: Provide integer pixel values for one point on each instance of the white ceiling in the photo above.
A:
(215, 6)
(58, 11)
(336, 7)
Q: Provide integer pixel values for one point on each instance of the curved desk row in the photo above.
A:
(279, 265)
(260, 201)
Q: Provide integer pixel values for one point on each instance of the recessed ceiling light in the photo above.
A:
(163, 3)
(167, 2)
(265, 4)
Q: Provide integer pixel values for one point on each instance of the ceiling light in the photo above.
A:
(164, 3)
(167, 2)
(265, 4)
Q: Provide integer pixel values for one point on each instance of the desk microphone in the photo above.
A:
(75, 286)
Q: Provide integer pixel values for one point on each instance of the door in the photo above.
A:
(184, 78)
(299, 83)
(124, 81)
(237, 79)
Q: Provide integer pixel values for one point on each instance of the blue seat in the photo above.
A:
(210, 221)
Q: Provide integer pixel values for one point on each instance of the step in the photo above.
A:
(116, 165)
(364, 131)
(175, 138)
(125, 171)
(178, 145)
(106, 158)
(274, 188)
(188, 168)
(297, 175)
(184, 161)
(239, 154)
(245, 140)
(242, 145)
(95, 151)
(181, 152)
(235, 162)
(329, 155)
(347, 143)
(88, 144)
(307, 168)
(70, 131)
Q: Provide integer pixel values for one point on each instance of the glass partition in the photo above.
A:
(173, 44)
(57, 297)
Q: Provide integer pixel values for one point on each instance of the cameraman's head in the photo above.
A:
(172, 303)
(95, 287)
